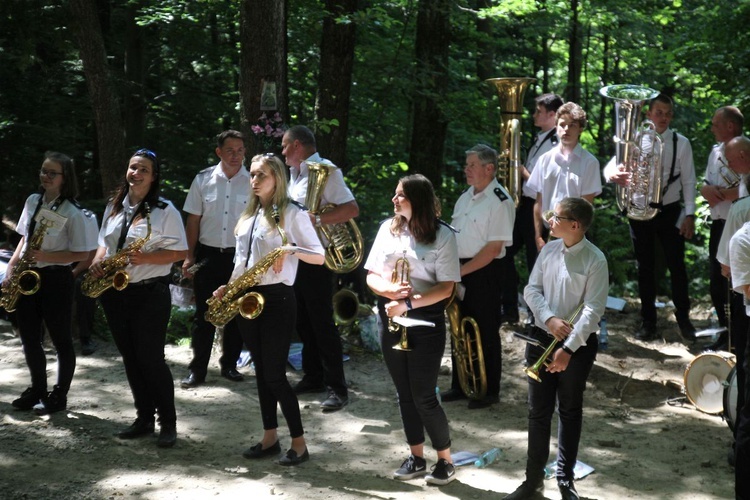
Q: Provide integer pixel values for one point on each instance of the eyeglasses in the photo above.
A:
(49, 174)
(147, 153)
(550, 215)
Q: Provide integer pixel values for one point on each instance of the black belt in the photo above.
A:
(217, 249)
(46, 269)
(150, 281)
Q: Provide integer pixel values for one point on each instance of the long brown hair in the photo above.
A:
(152, 197)
(425, 209)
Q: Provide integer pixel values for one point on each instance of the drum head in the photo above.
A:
(730, 398)
(704, 381)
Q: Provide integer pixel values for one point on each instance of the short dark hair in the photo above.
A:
(69, 188)
(733, 115)
(573, 110)
(302, 134)
(484, 153)
(580, 209)
(229, 134)
(662, 98)
(550, 102)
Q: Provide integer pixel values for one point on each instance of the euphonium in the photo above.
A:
(639, 149)
(345, 245)
(235, 299)
(24, 280)
(400, 274)
(510, 92)
(533, 371)
(467, 349)
(115, 276)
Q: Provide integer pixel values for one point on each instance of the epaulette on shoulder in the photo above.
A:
(554, 139)
(206, 170)
(501, 194)
(440, 221)
(298, 204)
(162, 204)
(738, 199)
(75, 203)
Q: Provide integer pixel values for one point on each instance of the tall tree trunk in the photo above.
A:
(104, 100)
(575, 57)
(429, 125)
(134, 100)
(263, 65)
(486, 47)
(335, 79)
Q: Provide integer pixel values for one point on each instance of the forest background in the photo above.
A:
(390, 87)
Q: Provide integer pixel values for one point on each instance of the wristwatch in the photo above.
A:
(318, 223)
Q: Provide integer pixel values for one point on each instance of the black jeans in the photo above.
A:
(645, 234)
(415, 374)
(740, 324)
(216, 271)
(480, 302)
(719, 285)
(268, 337)
(322, 352)
(523, 235)
(85, 311)
(566, 390)
(51, 304)
(138, 318)
(742, 437)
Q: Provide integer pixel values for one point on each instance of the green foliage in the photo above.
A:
(180, 323)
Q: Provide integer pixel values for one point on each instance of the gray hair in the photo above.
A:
(484, 153)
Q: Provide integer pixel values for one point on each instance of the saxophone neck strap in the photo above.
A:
(54, 207)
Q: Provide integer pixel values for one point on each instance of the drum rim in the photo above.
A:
(728, 359)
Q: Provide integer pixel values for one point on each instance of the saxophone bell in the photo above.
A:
(29, 282)
(251, 305)
(120, 280)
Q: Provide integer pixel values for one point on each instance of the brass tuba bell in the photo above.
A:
(467, 349)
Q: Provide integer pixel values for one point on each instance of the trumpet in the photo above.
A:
(729, 176)
(400, 274)
(533, 371)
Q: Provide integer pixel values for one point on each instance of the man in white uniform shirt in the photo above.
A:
(483, 217)
(523, 228)
(322, 359)
(720, 189)
(216, 199)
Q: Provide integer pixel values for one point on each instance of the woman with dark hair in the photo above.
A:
(429, 247)
(138, 314)
(270, 221)
(53, 215)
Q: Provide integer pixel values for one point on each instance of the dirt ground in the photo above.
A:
(640, 446)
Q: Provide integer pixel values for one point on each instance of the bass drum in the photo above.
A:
(730, 398)
(704, 380)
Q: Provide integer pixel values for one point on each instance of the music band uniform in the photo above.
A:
(85, 307)
(219, 201)
(322, 351)
(481, 218)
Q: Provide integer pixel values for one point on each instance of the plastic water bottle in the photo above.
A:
(488, 457)
(437, 395)
(550, 470)
(603, 335)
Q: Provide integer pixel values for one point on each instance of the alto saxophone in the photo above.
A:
(113, 267)
(24, 280)
(235, 300)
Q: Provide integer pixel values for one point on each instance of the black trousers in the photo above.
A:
(85, 311)
(742, 437)
(415, 373)
(645, 234)
(216, 271)
(268, 337)
(480, 302)
(523, 236)
(322, 352)
(718, 284)
(740, 324)
(566, 390)
(138, 318)
(51, 304)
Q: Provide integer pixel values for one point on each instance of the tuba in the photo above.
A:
(467, 348)
(235, 300)
(510, 92)
(113, 267)
(345, 248)
(24, 280)
(347, 308)
(639, 149)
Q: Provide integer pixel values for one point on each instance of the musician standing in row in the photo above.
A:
(85, 307)
(567, 170)
(670, 227)
(523, 228)
(138, 315)
(322, 352)
(569, 273)
(483, 217)
(720, 189)
(64, 242)
(429, 246)
(217, 197)
(259, 232)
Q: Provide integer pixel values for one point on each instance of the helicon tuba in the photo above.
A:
(345, 245)
(639, 149)
(467, 349)
(510, 92)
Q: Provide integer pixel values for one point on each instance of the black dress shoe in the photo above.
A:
(452, 395)
(233, 375)
(167, 436)
(291, 458)
(527, 491)
(475, 404)
(257, 450)
(192, 380)
(334, 402)
(567, 490)
(646, 332)
(687, 330)
(29, 398)
(137, 429)
(307, 385)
